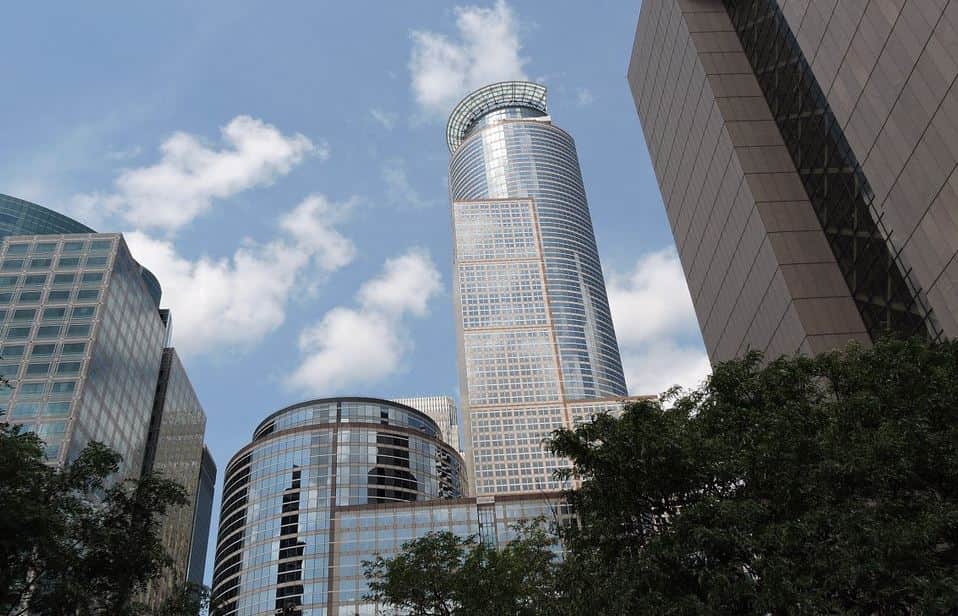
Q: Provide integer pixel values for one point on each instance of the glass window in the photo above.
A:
(91, 277)
(35, 280)
(100, 245)
(96, 261)
(72, 246)
(48, 331)
(83, 312)
(63, 387)
(3, 314)
(68, 262)
(43, 350)
(9, 371)
(17, 333)
(74, 348)
(12, 265)
(69, 367)
(79, 329)
(33, 390)
(45, 247)
(8, 281)
(57, 409)
(12, 350)
(54, 314)
(58, 296)
(36, 264)
(18, 249)
(64, 279)
(30, 297)
(5, 298)
(38, 369)
(88, 295)
(24, 314)
(25, 409)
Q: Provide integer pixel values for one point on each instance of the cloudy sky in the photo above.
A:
(281, 167)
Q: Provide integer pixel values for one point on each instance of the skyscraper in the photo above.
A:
(82, 342)
(442, 410)
(806, 154)
(534, 329)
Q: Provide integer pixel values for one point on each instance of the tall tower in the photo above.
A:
(807, 160)
(534, 330)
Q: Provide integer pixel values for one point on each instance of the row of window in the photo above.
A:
(59, 280)
(43, 368)
(54, 296)
(44, 263)
(57, 313)
(50, 247)
(48, 332)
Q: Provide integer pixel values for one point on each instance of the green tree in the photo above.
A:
(804, 486)
(72, 542)
(442, 574)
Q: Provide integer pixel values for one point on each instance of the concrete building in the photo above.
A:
(806, 154)
(442, 410)
(534, 330)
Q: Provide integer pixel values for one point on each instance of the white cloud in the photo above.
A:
(487, 50)
(232, 303)
(351, 347)
(655, 325)
(584, 97)
(191, 175)
(399, 190)
(387, 119)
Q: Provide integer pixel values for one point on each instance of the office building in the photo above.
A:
(83, 346)
(283, 492)
(534, 329)
(806, 155)
(175, 450)
(442, 410)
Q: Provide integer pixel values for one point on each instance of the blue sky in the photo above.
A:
(282, 168)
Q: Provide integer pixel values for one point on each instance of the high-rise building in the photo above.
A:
(175, 450)
(806, 154)
(82, 345)
(442, 410)
(288, 520)
(534, 329)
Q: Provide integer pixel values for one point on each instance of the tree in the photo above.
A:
(72, 542)
(804, 486)
(442, 574)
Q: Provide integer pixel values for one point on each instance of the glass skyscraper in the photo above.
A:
(83, 348)
(534, 330)
(442, 410)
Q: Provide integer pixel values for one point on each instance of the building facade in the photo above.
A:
(83, 348)
(442, 410)
(282, 495)
(806, 156)
(175, 450)
(534, 328)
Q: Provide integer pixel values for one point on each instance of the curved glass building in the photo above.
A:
(19, 217)
(283, 493)
(535, 330)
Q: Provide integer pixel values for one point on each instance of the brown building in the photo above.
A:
(806, 153)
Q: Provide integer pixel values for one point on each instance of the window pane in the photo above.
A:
(35, 280)
(68, 262)
(83, 312)
(40, 263)
(74, 348)
(48, 331)
(35, 369)
(12, 350)
(25, 409)
(12, 265)
(18, 333)
(72, 246)
(24, 314)
(18, 249)
(58, 296)
(57, 409)
(64, 387)
(88, 295)
(64, 279)
(45, 247)
(69, 367)
(91, 277)
(78, 330)
(54, 314)
(8, 281)
(30, 297)
(43, 350)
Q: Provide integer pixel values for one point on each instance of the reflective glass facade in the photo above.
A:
(282, 494)
(175, 450)
(442, 410)
(535, 330)
(81, 343)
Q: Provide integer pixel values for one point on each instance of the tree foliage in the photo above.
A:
(801, 486)
(441, 574)
(73, 542)
(807, 486)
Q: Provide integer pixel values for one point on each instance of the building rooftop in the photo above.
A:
(489, 98)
